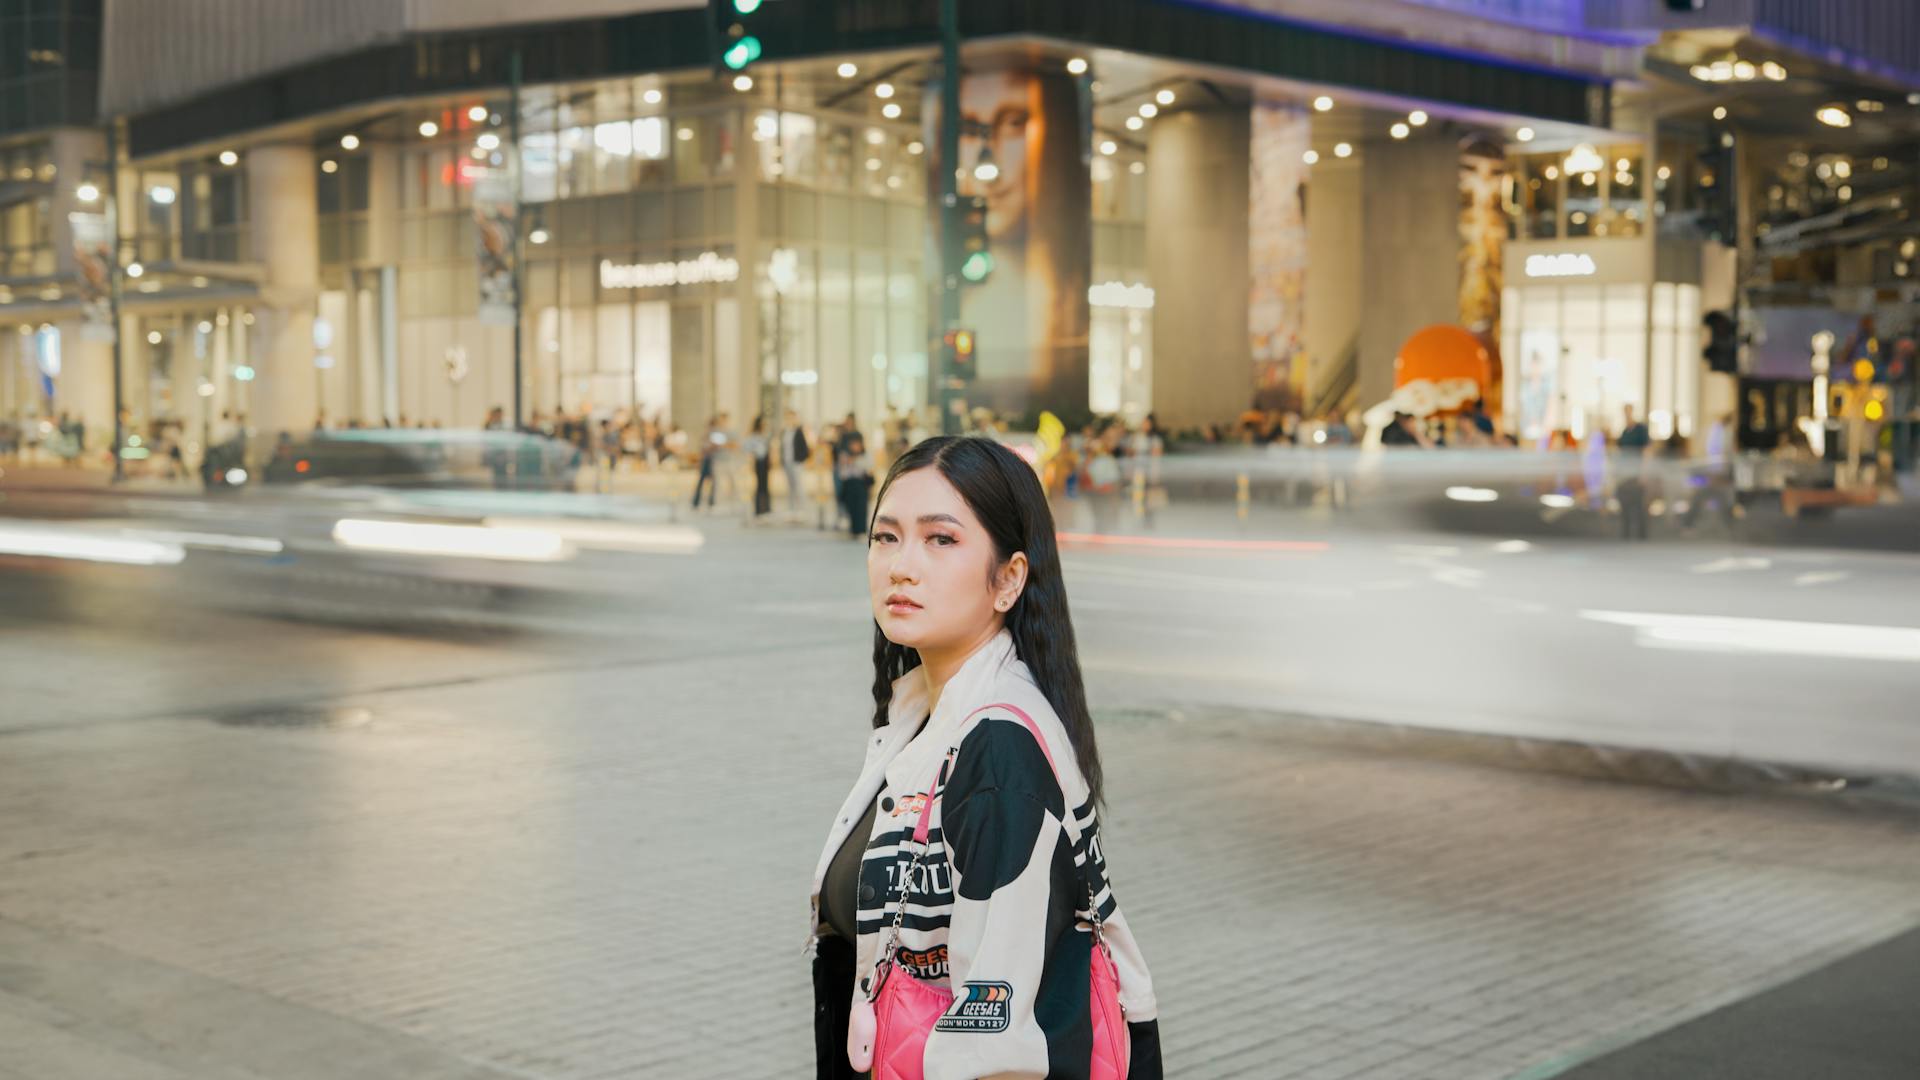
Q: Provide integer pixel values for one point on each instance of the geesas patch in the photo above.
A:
(979, 1007)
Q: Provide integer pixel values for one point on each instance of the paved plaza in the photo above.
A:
(562, 870)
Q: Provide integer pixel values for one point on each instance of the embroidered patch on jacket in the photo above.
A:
(981, 1006)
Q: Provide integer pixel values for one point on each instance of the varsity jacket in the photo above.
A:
(998, 912)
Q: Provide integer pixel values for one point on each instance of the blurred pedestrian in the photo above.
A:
(1102, 484)
(709, 461)
(760, 448)
(856, 482)
(794, 452)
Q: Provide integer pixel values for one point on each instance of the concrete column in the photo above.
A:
(1410, 206)
(1197, 179)
(285, 221)
(85, 384)
(1336, 227)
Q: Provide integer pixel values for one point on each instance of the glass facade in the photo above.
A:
(49, 63)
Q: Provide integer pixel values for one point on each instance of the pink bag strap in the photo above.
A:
(926, 808)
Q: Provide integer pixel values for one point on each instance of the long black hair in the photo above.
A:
(1005, 495)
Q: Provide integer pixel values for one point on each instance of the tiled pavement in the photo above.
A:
(575, 875)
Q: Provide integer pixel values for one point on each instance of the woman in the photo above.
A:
(855, 470)
(762, 450)
(971, 617)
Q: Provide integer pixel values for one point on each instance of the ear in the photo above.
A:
(1010, 582)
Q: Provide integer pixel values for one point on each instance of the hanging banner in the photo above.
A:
(93, 267)
(497, 226)
(1024, 151)
(1277, 255)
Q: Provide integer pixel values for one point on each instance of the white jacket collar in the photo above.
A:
(968, 689)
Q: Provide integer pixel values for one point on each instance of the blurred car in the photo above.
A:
(501, 460)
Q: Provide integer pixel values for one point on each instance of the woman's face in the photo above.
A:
(930, 567)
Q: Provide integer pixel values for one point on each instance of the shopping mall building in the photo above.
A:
(357, 210)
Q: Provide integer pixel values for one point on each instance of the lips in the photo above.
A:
(897, 601)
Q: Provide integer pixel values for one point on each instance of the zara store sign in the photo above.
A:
(1564, 264)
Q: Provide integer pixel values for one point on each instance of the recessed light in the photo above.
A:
(428, 129)
(1077, 66)
(847, 71)
(1322, 103)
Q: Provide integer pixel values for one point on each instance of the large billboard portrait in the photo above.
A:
(1023, 148)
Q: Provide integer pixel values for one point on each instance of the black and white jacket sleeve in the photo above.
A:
(1020, 944)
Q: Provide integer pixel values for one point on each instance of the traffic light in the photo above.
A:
(735, 33)
(976, 262)
(959, 349)
(1722, 351)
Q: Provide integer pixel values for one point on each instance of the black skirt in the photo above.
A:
(832, 1008)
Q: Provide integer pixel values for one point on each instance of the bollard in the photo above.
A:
(1244, 497)
(1140, 493)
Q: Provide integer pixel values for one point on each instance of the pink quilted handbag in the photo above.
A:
(891, 1022)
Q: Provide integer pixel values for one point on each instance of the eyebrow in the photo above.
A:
(925, 519)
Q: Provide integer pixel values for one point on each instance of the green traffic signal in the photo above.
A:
(742, 52)
(746, 7)
(977, 266)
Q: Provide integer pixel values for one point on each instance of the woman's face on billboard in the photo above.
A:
(994, 115)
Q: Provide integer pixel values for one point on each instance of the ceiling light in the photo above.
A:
(1664, 172)
(488, 141)
(743, 83)
(1134, 123)
(1553, 172)
(1773, 71)
(1322, 103)
(1525, 134)
(685, 134)
(651, 97)
(883, 90)
(1869, 105)
(428, 129)
(87, 192)
(349, 142)
(1343, 150)
(538, 236)
(916, 148)
(891, 110)
(477, 114)
(1843, 169)
(135, 270)
(329, 166)
(1418, 118)
(1399, 131)
(1701, 72)
(1138, 168)
(1833, 116)
(848, 71)
(1584, 158)
(1744, 70)
(873, 165)
(1588, 178)
(1149, 110)
(162, 195)
(1164, 97)
(986, 172)
(1311, 157)
(875, 136)
(229, 158)
(1077, 66)
(1108, 147)
(1719, 112)
(153, 337)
